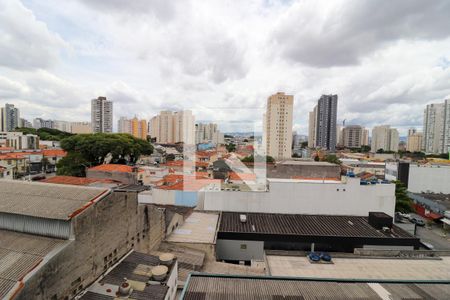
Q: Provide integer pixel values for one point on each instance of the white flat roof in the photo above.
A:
(361, 268)
(199, 227)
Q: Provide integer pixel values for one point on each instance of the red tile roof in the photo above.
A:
(113, 168)
(242, 176)
(71, 180)
(54, 152)
(189, 185)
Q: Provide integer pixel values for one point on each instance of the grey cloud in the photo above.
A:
(161, 9)
(345, 33)
(25, 42)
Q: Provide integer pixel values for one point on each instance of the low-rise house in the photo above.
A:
(122, 173)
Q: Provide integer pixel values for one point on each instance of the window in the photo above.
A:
(243, 246)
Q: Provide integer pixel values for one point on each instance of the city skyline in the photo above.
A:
(67, 68)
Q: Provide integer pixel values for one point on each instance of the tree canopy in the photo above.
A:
(45, 134)
(332, 159)
(402, 202)
(87, 150)
(251, 158)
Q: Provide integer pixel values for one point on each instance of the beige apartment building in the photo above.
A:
(415, 139)
(81, 127)
(278, 125)
(352, 136)
(384, 137)
(173, 127)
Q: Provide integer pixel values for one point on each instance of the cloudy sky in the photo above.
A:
(385, 59)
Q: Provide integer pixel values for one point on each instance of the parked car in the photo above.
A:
(418, 222)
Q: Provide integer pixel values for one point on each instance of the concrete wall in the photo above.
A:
(239, 250)
(288, 171)
(435, 179)
(303, 197)
(103, 234)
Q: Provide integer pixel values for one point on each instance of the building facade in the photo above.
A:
(9, 118)
(278, 126)
(208, 133)
(102, 115)
(384, 137)
(19, 141)
(62, 125)
(436, 128)
(324, 122)
(81, 127)
(135, 127)
(41, 123)
(173, 127)
(415, 141)
(353, 136)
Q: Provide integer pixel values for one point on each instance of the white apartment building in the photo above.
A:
(278, 126)
(312, 128)
(19, 141)
(436, 128)
(102, 115)
(62, 125)
(384, 137)
(173, 127)
(205, 133)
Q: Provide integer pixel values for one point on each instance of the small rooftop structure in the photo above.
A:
(212, 286)
(199, 227)
(134, 273)
(113, 168)
(52, 201)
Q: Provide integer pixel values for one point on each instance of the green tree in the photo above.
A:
(332, 159)
(92, 149)
(251, 158)
(74, 164)
(45, 134)
(402, 201)
(365, 148)
(230, 147)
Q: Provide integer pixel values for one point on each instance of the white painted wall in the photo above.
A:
(307, 197)
(429, 178)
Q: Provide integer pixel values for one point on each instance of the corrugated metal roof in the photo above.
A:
(317, 225)
(19, 254)
(201, 286)
(44, 200)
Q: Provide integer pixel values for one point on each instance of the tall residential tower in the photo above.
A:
(436, 128)
(278, 126)
(102, 115)
(9, 118)
(322, 123)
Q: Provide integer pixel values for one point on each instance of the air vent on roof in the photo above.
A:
(159, 272)
(350, 222)
(243, 218)
(124, 288)
(166, 259)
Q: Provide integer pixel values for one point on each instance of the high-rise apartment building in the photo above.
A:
(323, 123)
(352, 136)
(173, 127)
(278, 125)
(102, 115)
(135, 127)
(41, 123)
(339, 135)
(312, 128)
(205, 133)
(384, 137)
(9, 118)
(436, 128)
(365, 137)
(24, 123)
(414, 142)
(81, 127)
(62, 125)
